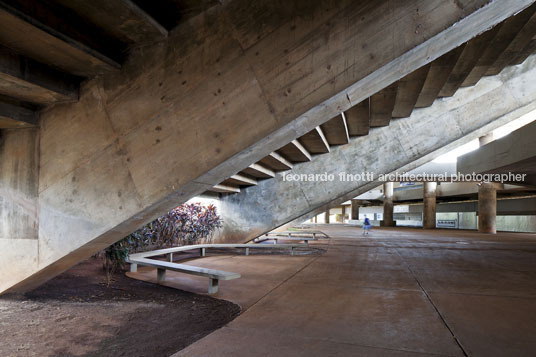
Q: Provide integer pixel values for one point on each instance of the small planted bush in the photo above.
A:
(190, 223)
(115, 257)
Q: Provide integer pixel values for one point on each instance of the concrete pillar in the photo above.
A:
(388, 205)
(429, 205)
(483, 140)
(355, 209)
(316, 219)
(343, 209)
(326, 216)
(487, 208)
(19, 204)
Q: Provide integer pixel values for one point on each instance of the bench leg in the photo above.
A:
(133, 268)
(212, 286)
(171, 257)
(292, 251)
(160, 275)
(203, 252)
(247, 251)
(307, 243)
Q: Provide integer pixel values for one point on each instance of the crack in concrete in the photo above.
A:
(287, 279)
(281, 283)
(458, 342)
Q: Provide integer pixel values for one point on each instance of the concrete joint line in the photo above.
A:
(281, 283)
(458, 342)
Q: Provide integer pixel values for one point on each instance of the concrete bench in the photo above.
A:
(300, 233)
(275, 238)
(213, 275)
(203, 247)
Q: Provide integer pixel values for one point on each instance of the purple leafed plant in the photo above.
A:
(190, 223)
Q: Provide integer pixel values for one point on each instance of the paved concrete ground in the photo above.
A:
(260, 275)
(396, 292)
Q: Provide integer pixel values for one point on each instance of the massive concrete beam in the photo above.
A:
(219, 94)
(469, 57)
(123, 19)
(382, 105)
(336, 130)
(409, 89)
(295, 152)
(54, 35)
(315, 141)
(438, 75)
(358, 119)
(15, 114)
(404, 145)
(515, 154)
(30, 81)
(259, 171)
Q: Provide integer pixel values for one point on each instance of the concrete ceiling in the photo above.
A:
(508, 43)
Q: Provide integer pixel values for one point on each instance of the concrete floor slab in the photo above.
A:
(491, 325)
(447, 259)
(391, 319)
(234, 343)
(395, 292)
(366, 262)
(479, 282)
(376, 276)
(245, 291)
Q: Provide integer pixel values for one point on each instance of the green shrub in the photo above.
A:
(187, 224)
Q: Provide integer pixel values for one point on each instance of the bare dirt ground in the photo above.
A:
(77, 314)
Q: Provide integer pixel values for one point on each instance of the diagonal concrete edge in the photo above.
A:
(404, 145)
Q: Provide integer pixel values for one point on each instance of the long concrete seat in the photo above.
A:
(213, 275)
(276, 238)
(300, 233)
(202, 248)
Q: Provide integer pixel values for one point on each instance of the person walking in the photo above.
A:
(366, 226)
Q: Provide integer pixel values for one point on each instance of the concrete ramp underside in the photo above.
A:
(514, 154)
(402, 146)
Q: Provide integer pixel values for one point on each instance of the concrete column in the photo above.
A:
(316, 220)
(19, 204)
(355, 209)
(326, 216)
(429, 207)
(487, 208)
(388, 205)
(483, 140)
(343, 209)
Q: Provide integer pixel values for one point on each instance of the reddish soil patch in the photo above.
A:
(77, 314)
